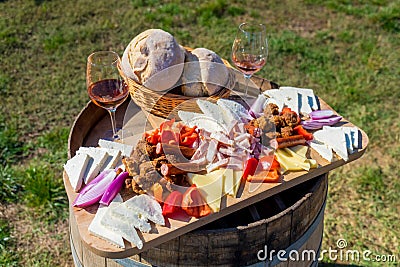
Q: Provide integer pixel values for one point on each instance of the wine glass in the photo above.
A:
(105, 86)
(250, 50)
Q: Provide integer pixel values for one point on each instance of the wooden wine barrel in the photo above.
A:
(290, 223)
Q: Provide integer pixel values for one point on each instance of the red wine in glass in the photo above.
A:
(105, 86)
(249, 64)
(250, 50)
(108, 93)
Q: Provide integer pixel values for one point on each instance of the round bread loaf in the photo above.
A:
(191, 80)
(154, 59)
(204, 74)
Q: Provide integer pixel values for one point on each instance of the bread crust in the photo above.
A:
(205, 71)
(154, 59)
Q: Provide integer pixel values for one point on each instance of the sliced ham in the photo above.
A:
(201, 151)
(222, 138)
(229, 151)
(212, 150)
(220, 156)
(241, 136)
(217, 165)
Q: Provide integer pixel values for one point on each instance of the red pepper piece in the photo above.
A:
(275, 164)
(250, 168)
(186, 131)
(193, 203)
(189, 140)
(268, 162)
(271, 176)
(301, 131)
(286, 110)
(172, 204)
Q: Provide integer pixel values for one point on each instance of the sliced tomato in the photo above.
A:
(193, 203)
(172, 204)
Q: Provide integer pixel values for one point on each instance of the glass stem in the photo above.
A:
(113, 123)
(247, 80)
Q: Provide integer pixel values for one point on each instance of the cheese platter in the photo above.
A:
(322, 155)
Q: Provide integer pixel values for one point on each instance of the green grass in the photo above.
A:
(347, 51)
(7, 245)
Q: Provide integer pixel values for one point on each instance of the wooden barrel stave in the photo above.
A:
(231, 246)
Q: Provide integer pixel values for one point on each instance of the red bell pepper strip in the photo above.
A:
(250, 168)
(189, 140)
(186, 131)
(172, 204)
(268, 162)
(193, 203)
(153, 137)
(301, 131)
(275, 164)
(271, 176)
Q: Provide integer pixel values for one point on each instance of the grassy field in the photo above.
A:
(347, 51)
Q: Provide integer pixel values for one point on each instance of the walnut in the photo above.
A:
(271, 109)
(265, 124)
(290, 119)
(286, 131)
(278, 121)
(254, 122)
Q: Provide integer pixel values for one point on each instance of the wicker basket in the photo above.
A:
(166, 105)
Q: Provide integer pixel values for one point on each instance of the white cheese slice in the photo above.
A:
(322, 149)
(335, 138)
(207, 123)
(147, 207)
(236, 109)
(307, 98)
(75, 169)
(113, 159)
(125, 149)
(121, 227)
(275, 96)
(211, 110)
(98, 157)
(186, 116)
(228, 115)
(99, 230)
(291, 99)
(349, 140)
(355, 137)
(131, 216)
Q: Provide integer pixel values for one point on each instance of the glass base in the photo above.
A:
(109, 136)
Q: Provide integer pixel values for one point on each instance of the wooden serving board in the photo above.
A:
(91, 124)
